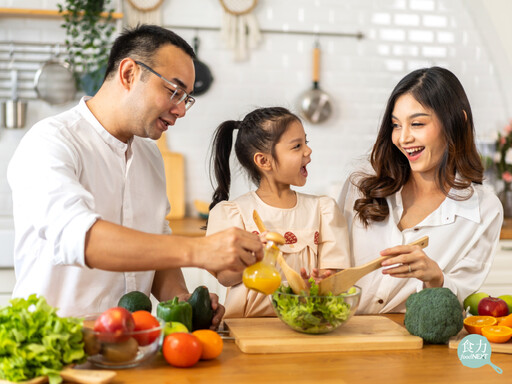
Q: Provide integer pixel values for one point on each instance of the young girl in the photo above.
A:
(271, 146)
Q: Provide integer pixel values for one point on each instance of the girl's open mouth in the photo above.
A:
(304, 171)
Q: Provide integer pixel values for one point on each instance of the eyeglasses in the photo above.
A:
(179, 93)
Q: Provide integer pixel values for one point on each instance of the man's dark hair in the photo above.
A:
(141, 43)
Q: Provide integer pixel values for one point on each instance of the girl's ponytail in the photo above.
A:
(221, 149)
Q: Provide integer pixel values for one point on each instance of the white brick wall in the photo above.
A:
(400, 35)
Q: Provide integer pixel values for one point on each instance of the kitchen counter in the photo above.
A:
(506, 230)
(191, 226)
(431, 364)
(188, 226)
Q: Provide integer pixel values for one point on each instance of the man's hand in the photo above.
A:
(218, 309)
(232, 249)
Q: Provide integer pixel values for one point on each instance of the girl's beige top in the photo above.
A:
(315, 232)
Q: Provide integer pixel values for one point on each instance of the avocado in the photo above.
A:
(202, 312)
(135, 301)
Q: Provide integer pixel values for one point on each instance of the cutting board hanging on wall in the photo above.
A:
(175, 179)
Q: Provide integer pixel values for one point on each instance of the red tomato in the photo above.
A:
(144, 321)
(182, 349)
(114, 323)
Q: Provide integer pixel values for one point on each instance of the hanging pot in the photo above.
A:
(204, 76)
(14, 113)
(315, 105)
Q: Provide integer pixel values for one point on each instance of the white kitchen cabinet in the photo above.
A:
(499, 280)
(7, 280)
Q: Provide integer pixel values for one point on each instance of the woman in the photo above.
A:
(426, 181)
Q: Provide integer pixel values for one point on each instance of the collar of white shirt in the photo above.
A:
(449, 209)
(115, 144)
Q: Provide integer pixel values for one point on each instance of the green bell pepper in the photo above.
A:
(174, 310)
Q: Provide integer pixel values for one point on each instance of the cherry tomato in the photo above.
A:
(182, 349)
(113, 324)
(143, 322)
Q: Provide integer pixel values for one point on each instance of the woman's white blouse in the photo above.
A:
(463, 235)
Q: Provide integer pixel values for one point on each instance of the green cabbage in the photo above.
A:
(34, 341)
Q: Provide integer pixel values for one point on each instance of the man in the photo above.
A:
(89, 189)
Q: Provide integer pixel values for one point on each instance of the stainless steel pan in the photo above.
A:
(315, 105)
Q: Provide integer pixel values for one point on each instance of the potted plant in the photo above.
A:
(89, 27)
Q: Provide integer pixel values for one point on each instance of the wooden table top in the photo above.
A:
(431, 364)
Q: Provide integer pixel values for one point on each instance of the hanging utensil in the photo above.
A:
(344, 280)
(204, 76)
(315, 105)
(14, 111)
(54, 81)
(297, 283)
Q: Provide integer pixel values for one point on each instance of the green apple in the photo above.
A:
(472, 302)
(508, 300)
(173, 327)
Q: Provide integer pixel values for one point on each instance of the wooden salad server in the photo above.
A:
(344, 280)
(297, 283)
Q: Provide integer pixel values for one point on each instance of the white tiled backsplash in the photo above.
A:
(399, 36)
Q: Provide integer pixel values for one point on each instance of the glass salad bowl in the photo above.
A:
(314, 314)
(120, 350)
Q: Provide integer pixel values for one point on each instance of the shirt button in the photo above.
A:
(380, 301)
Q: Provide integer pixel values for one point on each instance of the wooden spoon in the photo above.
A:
(297, 284)
(82, 376)
(344, 280)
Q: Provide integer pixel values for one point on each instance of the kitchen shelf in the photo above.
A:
(43, 13)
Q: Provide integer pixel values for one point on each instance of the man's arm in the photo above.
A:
(113, 247)
(169, 283)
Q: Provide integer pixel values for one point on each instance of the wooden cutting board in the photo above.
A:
(495, 347)
(360, 333)
(175, 179)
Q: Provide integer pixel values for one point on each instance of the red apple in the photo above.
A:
(114, 323)
(492, 306)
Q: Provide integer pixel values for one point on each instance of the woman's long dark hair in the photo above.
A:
(439, 90)
(259, 131)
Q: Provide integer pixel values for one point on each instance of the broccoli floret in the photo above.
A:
(434, 314)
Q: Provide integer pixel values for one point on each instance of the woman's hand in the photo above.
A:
(413, 263)
(317, 274)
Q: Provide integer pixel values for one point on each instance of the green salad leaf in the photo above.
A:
(34, 341)
(310, 314)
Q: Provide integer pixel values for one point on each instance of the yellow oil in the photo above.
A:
(263, 275)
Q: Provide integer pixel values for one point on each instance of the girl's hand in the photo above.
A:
(317, 274)
(414, 263)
